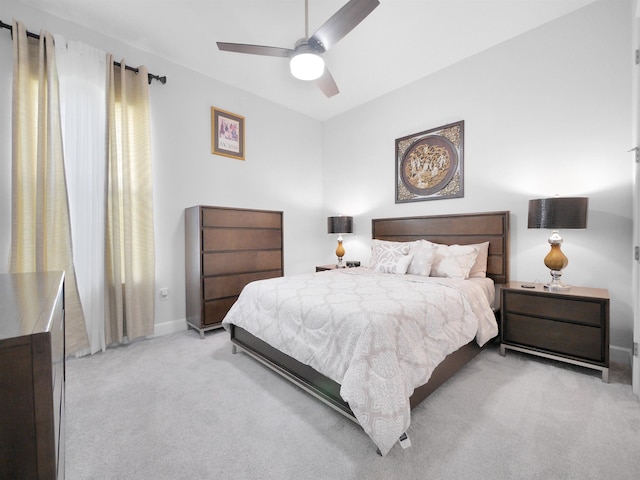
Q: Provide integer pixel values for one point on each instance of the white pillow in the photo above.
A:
(479, 268)
(383, 251)
(424, 254)
(454, 261)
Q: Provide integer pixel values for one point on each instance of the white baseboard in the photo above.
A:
(620, 355)
(167, 328)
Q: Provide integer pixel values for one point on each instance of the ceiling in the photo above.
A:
(400, 42)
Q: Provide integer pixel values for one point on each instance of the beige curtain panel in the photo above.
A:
(130, 246)
(40, 232)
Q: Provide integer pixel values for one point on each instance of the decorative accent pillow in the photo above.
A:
(396, 263)
(383, 251)
(479, 268)
(424, 254)
(454, 261)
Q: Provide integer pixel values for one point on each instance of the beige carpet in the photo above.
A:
(178, 407)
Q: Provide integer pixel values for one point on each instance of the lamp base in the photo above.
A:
(556, 285)
(556, 261)
(340, 252)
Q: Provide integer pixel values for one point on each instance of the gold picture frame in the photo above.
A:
(430, 164)
(227, 134)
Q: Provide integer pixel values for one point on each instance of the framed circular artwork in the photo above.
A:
(429, 164)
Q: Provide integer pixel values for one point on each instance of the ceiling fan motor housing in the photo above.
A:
(309, 45)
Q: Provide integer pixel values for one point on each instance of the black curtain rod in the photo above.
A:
(151, 76)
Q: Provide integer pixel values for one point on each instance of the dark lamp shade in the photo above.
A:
(340, 224)
(558, 212)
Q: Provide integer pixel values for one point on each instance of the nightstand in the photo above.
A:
(322, 268)
(571, 326)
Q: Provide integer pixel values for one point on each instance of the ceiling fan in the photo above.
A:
(306, 62)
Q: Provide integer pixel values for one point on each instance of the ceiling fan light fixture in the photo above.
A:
(305, 61)
(306, 65)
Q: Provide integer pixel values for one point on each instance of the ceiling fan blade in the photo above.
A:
(342, 22)
(327, 84)
(255, 49)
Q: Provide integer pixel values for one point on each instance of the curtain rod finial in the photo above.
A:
(162, 79)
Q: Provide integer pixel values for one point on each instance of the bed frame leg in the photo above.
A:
(234, 349)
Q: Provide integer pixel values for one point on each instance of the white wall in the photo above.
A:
(546, 113)
(282, 170)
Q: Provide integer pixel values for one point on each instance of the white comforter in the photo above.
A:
(379, 335)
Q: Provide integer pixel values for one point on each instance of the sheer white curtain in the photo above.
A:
(82, 74)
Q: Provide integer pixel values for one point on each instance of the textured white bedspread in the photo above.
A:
(379, 335)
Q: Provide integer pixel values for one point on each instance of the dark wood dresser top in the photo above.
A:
(26, 302)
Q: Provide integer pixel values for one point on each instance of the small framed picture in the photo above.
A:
(227, 134)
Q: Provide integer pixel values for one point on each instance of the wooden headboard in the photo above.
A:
(461, 229)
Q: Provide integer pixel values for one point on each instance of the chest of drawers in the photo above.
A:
(226, 248)
(32, 375)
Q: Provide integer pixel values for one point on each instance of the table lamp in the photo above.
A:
(340, 225)
(556, 213)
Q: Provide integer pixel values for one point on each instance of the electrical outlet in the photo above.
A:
(164, 294)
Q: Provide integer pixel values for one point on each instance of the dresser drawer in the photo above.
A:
(215, 310)
(229, 239)
(554, 336)
(232, 217)
(555, 307)
(58, 405)
(57, 342)
(231, 285)
(241, 262)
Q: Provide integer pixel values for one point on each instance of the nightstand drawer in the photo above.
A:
(555, 307)
(558, 337)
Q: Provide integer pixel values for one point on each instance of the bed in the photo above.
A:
(458, 229)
